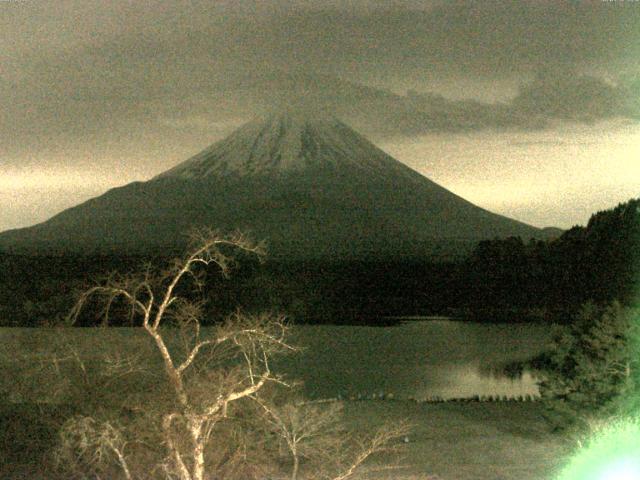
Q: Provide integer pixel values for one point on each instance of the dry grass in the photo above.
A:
(467, 441)
(449, 441)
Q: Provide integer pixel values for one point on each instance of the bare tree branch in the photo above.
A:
(210, 373)
(252, 338)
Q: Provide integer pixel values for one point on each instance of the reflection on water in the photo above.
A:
(419, 359)
(464, 381)
(422, 359)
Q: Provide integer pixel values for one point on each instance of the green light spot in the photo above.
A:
(626, 469)
(613, 453)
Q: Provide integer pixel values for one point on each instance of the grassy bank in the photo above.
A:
(455, 441)
(468, 441)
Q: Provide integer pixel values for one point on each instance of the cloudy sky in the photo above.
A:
(97, 94)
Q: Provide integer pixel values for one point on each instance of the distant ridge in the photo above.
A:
(303, 181)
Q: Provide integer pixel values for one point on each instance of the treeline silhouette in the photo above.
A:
(599, 262)
(502, 280)
(41, 290)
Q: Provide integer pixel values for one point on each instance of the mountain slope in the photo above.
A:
(309, 186)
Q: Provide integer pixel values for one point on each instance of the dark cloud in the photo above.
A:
(383, 113)
(575, 97)
(93, 71)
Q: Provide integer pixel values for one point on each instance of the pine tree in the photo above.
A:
(592, 368)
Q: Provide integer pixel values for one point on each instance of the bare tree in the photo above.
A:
(203, 415)
(315, 432)
(90, 446)
(384, 440)
(243, 343)
(307, 431)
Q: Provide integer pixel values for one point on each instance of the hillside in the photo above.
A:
(307, 184)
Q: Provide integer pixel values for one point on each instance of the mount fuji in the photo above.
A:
(309, 185)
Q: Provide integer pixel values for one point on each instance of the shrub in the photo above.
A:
(592, 367)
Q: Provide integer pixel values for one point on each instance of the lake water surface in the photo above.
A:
(416, 359)
(419, 359)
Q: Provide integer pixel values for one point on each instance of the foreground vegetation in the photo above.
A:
(592, 369)
(509, 440)
(189, 404)
(461, 441)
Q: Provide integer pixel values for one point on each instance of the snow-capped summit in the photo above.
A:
(292, 141)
